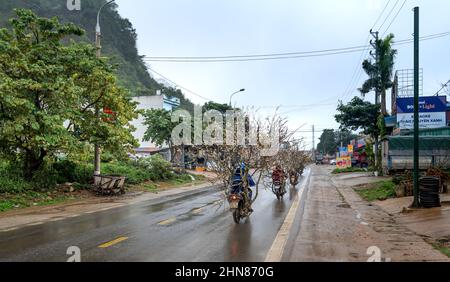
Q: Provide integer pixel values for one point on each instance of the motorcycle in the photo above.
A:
(238, 206)
(294, 178)
(279, 189)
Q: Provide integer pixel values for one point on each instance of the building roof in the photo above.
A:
(147, 150)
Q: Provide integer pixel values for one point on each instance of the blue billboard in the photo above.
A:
(432, 112)
(435, 104)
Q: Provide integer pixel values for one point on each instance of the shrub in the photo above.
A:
(348, 170)
(158, 166)
(45, 178)
(83, 173)
(65, 170)
(11, 180)
(133, 174)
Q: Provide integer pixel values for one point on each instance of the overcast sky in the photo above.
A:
(242, 27)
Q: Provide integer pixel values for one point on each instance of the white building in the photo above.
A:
(148, 103)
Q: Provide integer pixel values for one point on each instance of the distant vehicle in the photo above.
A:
(319, 159)
(333, 162)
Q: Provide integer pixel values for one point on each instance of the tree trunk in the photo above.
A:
(33, 162)
(383, 102)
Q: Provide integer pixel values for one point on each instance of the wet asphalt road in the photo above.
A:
(191, 229)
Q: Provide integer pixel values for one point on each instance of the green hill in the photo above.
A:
(119, 40)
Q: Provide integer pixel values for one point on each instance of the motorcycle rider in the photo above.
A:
(278, 175)
(237, 183)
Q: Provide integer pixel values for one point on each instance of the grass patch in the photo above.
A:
(348, 170)
(150, 187)
(176, 181)
(30, 199)
(380, 191)
(182, 179)
(442, 248)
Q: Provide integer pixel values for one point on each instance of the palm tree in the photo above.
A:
(380, 72)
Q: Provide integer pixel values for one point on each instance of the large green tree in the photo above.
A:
(380, 72)
(49, 93)
(118, 40)
(159, 128)
(359, 115)
(327, 144)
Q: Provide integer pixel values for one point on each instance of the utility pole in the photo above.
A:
(98, 45)
(314, 142)
(416, 107)
(377, 92)
(97, 158)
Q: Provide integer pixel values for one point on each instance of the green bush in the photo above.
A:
(158, 166)
(154, 168)
(83, 173)
(348, 170)
(133, 174)
(46, 178)
(65, 171)
(11, 179)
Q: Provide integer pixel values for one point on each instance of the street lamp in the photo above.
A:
(232, 95)
(98, 34)
(98, 31)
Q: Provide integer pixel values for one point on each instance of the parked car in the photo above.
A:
(333, 162)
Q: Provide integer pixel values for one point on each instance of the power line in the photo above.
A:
(176, 84)
(256, 55)
(443, 87)
(281, 56)
(395, 17)
(388, 16)
(401, 42)
(357, 73)
(382, 12)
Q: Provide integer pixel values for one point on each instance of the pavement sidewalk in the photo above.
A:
(337, 225)
(33, 216)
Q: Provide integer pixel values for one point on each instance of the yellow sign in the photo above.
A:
(350, 148)
(344, 162)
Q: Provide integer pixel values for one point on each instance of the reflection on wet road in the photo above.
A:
(197, 228)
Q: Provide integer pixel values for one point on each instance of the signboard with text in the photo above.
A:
(344, 162)
(432, 112)
(350, 149)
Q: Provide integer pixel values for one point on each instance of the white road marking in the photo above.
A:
(276, 251)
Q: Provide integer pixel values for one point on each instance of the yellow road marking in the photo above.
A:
(168, 221)
(113, 242)
(197, 211)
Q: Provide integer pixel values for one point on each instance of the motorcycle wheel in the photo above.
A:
(279, 195)
(237, 216)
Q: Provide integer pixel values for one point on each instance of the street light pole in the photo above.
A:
(232, 95)
(416, 203)
(98, 35)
